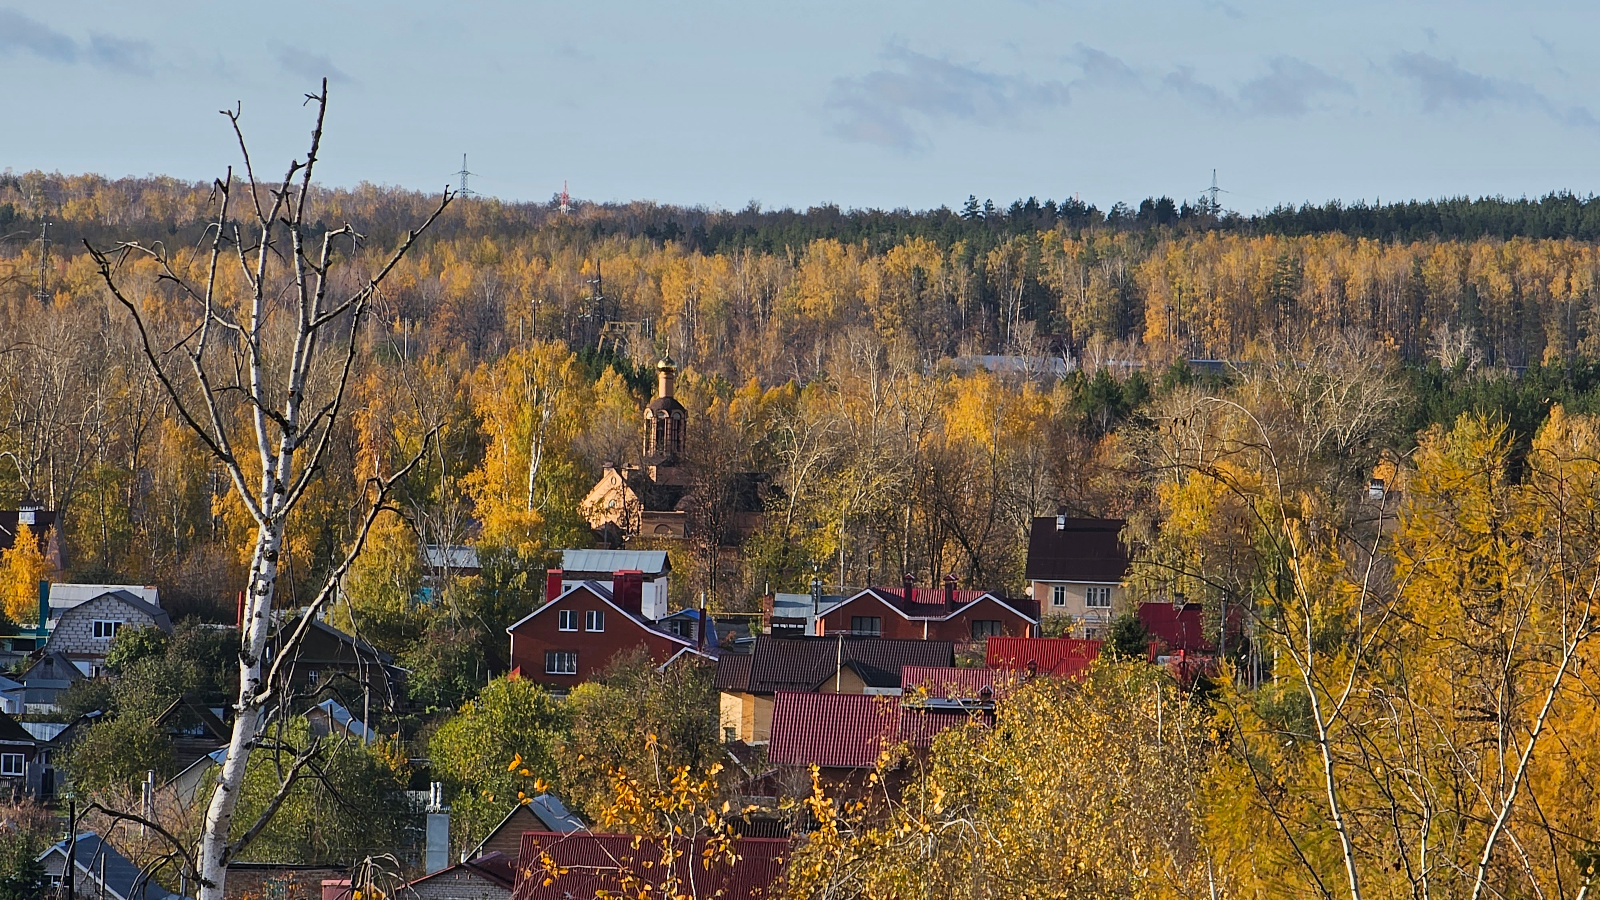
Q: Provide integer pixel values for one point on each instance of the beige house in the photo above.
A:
(1076, 571)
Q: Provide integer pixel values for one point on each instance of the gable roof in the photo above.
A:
(928, 603)
(604, 595)
(593, 865)
(361, 647)
(12, 732)
(805, 663)
(52, 669)
(187, 711)
(123, 879)
(495, 868)
(848, 731)
(1061, 657)
(544, 812)
(1062, 548)
(1179, 627)
(127, 598)
(605, 562)
(346, 720)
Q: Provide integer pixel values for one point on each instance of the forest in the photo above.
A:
(1412, 714)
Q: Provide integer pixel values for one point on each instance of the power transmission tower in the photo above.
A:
(462, 189)
(1214, 206)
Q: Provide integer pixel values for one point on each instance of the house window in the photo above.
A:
(567, 619)
(311, 676)
(594, 620)
(1099, 596)
(866, 625)
(1058, 595)
(10, 763)
(683, 628)
(982, 628)
(105, 630)
(560, 662)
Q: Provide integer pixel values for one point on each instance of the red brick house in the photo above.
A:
(584, 864)
(570, 639)
(946, 614)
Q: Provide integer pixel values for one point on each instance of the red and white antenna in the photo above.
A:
(566, 201)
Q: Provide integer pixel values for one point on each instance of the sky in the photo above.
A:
(865, 103)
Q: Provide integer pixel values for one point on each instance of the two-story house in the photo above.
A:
(575, 636)
(913, 613)
(653, 568)
(1075, 570)
(83, 633)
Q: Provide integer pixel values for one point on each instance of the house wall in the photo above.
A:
(256, 880)
(74, 632)
(531, 639)
(652, 594)
(458, 884)
(1077, 604)
(838, 618)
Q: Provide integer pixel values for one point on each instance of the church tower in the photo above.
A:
(664, 419)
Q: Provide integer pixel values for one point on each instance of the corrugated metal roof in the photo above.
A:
(918, 727)
(1062, 657)
(733, 672)
(123, 879)
(950, 682)
(804, 663)
(832, 730)
(1080, 550)
(587, 865)
(605, 562)
(1179, 627)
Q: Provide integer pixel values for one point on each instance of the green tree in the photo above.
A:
(498, 745)
(117, 753)
(1129, 639)
(134, 644)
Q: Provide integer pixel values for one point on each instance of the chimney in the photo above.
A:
(627, 590)
(436, 852)
(700, 630)
(816, 604)
(44, 606)
(552, 584)
(1061, 523)
(949, 592)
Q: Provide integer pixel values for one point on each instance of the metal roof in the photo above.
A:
(123, 879)
(1062, 657)
(847, 731)
(606, 562)
(591, 865)
(1061, 548)
(804, 663)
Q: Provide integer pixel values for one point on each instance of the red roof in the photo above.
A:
(955, 683)
(1062, 657)
(831, 730)
(1179, 627)
(918, 727)
(928, 603)
(582, 864)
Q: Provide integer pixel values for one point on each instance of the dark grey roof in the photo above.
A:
(123, 879)
(804, 663)
(1062, 548)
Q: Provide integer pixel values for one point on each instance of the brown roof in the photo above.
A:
(804, 663)
(733, 672)
(581, 864)
(1068, 549)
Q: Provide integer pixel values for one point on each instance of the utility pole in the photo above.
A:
(44, 260)
(462, 187)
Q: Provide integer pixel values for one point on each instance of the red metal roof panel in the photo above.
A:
(831, 730)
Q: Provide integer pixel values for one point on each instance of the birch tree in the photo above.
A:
(254, 338)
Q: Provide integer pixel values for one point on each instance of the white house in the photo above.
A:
(1076, 569)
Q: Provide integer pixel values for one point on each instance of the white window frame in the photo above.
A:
(567, 619)
(1058, 595)
(106, 629)
(1098, 597)
(594, 620)
(561, 662)
(13, 764)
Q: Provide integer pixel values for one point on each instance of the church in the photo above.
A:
(655, 499)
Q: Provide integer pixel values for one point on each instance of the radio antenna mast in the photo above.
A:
(44, 260)
(566, 201)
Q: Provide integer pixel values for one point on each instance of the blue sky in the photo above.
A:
(866, 103)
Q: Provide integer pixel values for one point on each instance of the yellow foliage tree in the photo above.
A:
(21, 569)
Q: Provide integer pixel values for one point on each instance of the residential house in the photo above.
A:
(46, 679)
(83, 632)
(443, 563)
(544, 812)
(17, 751)
(832, 731)
(195, 729)
(652, 568)
(582, 864)
(63, 596)
(330, 718)
(842, 664)
(51, 740)
(1076, 569)
(329, 661)
(100, 872)
(487, 877)
(575, 636)
(795, 615)
(1056, 657)
(13, 696)
(913, 613)
(43, 524)
(280, 881)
